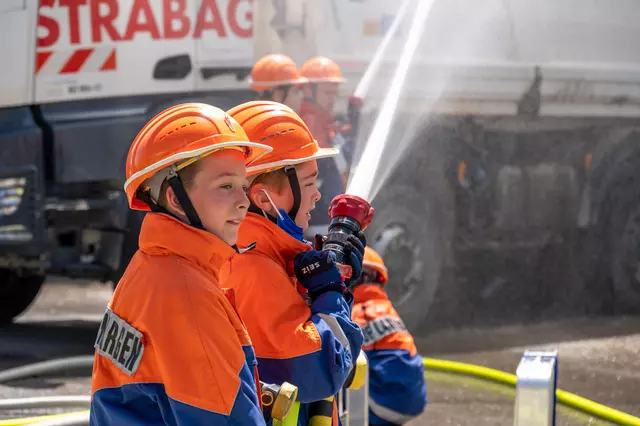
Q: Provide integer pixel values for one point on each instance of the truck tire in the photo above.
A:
(405, 233)
(17, 293)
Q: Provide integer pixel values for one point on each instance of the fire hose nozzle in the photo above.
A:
(277, 400)
(348, 215)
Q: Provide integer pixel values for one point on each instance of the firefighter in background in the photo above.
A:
(275, 77)
(171, 348)
(323, 80)
(397, 389)
(292, 298)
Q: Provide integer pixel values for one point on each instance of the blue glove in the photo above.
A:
(317, 272)
(354, 254)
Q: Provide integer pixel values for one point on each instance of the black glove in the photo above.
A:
(318, 273)
(354, 255)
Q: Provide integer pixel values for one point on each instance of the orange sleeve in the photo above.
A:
(276, 316)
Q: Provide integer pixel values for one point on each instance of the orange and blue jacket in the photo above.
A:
(171, 349)
(397, 389)
(311, 346)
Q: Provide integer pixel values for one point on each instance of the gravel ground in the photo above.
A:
(599, 358)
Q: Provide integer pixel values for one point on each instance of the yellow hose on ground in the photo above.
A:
(563, 397)
(30, 420)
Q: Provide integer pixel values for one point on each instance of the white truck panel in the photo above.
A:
(110, 48)
(235, 50)
(17, 42)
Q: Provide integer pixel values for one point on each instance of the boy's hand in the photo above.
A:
(317, 272)
(318, 241)
(354, 254)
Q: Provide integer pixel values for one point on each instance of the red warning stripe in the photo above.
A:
(110, 63)
(91, 59)
(41, 59)
(75, 62)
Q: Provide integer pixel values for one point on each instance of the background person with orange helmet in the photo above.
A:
(276, 78)
(323, 80)
(292, 299)
(397, 389)
(171, 348)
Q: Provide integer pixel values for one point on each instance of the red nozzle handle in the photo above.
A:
(352, 206)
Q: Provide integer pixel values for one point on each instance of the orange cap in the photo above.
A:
(177, 137)
(279, 127)
(274, 70)
(374, 261)
(321, 69)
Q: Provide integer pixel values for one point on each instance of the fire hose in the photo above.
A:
(451, 367)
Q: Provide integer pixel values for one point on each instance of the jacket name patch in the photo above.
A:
(381, 327)
(121, 343)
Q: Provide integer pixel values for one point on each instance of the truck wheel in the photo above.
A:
(624, 240)
(403, 231)
(17, 293)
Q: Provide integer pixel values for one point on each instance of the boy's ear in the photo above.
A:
(173, 205)
(259, 198)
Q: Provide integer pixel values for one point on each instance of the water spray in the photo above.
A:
(376, 61)
(350, 214)
(362, 181)
(354, 104)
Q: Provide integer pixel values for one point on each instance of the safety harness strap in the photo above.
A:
(290, 171)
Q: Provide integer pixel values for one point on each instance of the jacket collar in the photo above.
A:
(270, 239)
(162, 234)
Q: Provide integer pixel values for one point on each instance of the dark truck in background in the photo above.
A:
(63, 210)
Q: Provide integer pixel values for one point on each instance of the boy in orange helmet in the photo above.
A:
(292, 299)
(171, 348)
(275, 77)
(320, 92)
(397, 389)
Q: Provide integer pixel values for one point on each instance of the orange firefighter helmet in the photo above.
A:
(374, 261)
(321, 69)
(177, 137)
(274, 70)
(279, 127)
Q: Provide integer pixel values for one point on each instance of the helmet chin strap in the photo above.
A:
(183, 198)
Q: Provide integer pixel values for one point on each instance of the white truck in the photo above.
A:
(78, 80)
(518, 195)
